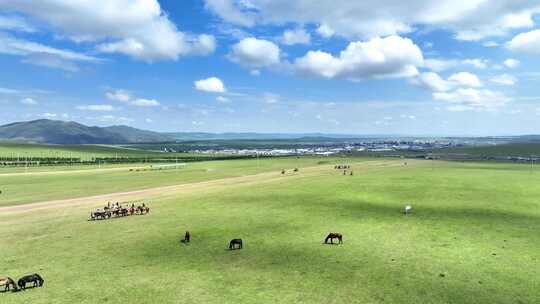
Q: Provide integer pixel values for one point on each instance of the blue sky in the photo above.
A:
(366, 67)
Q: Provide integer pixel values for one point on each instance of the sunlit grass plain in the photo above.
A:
(473, 238)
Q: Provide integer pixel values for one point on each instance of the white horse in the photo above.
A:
(408, 209)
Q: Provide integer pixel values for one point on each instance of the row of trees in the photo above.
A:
(52, 161)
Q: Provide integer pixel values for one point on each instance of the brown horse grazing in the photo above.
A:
(331, 236)
(7, 282)
(234, 242)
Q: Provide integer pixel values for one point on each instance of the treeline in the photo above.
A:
(54, 161)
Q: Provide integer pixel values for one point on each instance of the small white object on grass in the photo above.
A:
(408, 209)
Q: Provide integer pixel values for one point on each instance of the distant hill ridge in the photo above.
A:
(69, 132)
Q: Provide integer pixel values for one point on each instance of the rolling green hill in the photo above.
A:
(69, 132)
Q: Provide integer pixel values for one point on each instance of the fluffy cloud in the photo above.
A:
(143, 102)
(125, 97)
(325, 31)
(433, 82)
(461, 90)
(118, 95)
(470, 98)
(440, 64)
(14, 23)
(528, 42)
(470, 20)
(138, 28)
(297, 36)
(476, 62)
(15, 46)
(504, 79)
(97, 108)
(465, 79)
(511, 63)
(255, 53)
(222, 99)
(392, 56)
(212, 84)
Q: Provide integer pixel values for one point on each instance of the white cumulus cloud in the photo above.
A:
(143, 102)
(125, 97)
(388, 57)
(528, 42)
(504, 79)
(465, 79)
(296, 36)
(98, 108)
(479, 99)
(118, 95)
(255, 53)
(511, 63)
(212, 84)
(138, 28)
(469, 20)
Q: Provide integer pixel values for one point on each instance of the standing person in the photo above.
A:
(187, 237)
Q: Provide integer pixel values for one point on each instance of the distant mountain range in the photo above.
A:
(69, 132)
(188, 136)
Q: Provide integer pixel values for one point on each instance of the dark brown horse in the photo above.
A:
(35, 278)
(234, 242)
(7, 282)
(331, 236)
(142, 209)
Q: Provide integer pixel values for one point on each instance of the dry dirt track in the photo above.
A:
(161, 191)
(153, 193)
(72, 171)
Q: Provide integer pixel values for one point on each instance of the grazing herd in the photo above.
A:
(344, 168)
(283, 171)
(9, 284)
(125, 209)
(118, 210)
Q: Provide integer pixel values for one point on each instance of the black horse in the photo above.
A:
(187, 238)
(35, 278)
(331, 236)
(234, 242)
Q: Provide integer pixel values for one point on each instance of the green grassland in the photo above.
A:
(514, 149)
(29, 188)
(84, 152)
(473, 238)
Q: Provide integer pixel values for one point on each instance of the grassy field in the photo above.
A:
(32, 187)
(473, 238)
(515, 149)
(85, 152)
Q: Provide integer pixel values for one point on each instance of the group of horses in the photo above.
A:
(283, 171)
(239, 244)
(118, 210)
(9, 283)
(344, 168)
(233, 244)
